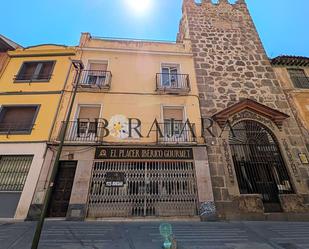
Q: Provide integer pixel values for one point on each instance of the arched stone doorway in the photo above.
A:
(259, 166)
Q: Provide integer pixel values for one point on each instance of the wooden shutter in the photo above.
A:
(27, 71)
(173, 113)
(98, 66)
(89, 112)
(18, 118)
(46, 70)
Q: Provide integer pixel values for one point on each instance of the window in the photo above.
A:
(17, 119)
(36, 71)
(171, 80)
(88, 120)
(299, 78)
(173, 121)
(96, 74)
(13, 172)
(170, 75)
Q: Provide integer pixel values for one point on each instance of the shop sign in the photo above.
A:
(121, 127)
(114, 179)
(112, 153)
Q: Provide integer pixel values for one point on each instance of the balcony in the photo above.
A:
(176, 133)
(95, 79)
(301, 82)
(85, 131)
(177, 83)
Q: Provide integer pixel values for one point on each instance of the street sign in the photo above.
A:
(114, 179)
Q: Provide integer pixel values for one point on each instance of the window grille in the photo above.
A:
(299, 78)
(13, 172)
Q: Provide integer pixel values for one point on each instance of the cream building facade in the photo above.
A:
(110, 172)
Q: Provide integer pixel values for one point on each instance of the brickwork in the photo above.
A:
(231, 65)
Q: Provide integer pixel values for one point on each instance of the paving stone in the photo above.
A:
(137, 235)
(251, 246)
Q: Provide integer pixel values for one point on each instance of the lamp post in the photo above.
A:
(78, 65)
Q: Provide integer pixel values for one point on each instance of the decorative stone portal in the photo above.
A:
(258, 163)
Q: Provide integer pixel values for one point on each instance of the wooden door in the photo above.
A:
(62, 190)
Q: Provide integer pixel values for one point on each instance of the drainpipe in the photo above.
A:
(78, 65)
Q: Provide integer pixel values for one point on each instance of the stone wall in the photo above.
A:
(293, 204)
(231, 64)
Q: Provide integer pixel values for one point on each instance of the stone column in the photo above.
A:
(207, 210)
(79, 196)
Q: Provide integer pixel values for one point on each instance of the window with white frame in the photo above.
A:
(96, 74)
(170, 73)
(88, 118)
(173, 121)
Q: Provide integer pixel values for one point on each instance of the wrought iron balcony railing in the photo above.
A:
(173, 82)
(32, 77)
(16, 128)
(176, 132)
(301, 82)
(95, 78)
(93, 131)
(83, 131)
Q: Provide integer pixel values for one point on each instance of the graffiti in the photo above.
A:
(208, 208)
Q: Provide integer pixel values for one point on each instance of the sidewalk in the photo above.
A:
(145, 235)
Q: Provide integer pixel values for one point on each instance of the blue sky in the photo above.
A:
(282, 24)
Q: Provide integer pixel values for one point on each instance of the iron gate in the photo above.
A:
(150, 189)
(259, 166)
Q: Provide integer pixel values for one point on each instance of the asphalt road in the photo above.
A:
(145, 235)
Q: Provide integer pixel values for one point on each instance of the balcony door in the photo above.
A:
(87, 122)
(170, 76)
(97, 75)
(173, 124)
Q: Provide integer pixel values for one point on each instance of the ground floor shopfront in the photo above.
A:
(249, 172)
(20, 166)
(127, 181)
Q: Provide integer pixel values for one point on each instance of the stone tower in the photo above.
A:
(237, 83)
